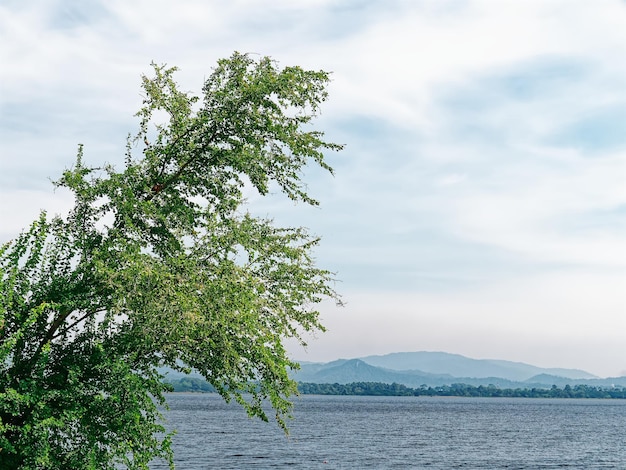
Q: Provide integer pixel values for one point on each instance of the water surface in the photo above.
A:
(402, 432)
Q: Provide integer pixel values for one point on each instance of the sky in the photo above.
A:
(479, 206)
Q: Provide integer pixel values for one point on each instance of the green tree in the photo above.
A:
(159, 264)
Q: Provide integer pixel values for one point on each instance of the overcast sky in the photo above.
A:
(479, 207)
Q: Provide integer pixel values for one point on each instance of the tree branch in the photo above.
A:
(175, 176)
(72, 325)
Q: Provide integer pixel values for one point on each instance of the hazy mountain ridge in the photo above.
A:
(461, 366)
(438, 368)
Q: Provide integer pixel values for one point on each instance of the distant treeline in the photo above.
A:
(193, 384)
(460, 390)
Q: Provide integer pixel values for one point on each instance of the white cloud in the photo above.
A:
(523, 212)
(21, 207)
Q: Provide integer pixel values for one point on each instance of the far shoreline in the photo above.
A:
(199, 386)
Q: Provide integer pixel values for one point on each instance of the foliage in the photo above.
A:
(191, 384)
(159, 265)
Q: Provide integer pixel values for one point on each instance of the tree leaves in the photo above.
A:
(160, 264)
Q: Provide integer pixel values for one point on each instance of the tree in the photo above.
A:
(160, 265)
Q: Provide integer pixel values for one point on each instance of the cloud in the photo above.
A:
(596, 131)
(21, 207)
(485, 164)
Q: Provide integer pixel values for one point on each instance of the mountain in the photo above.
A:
(562, 381)
(356, 370)
(461, 366)
(415, 369)
(434, 369)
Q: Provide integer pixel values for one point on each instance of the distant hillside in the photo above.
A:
(502, 374)
(356, 370)
(461, 366)
(433, 369)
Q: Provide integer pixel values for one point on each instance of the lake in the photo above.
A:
(402, 432)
